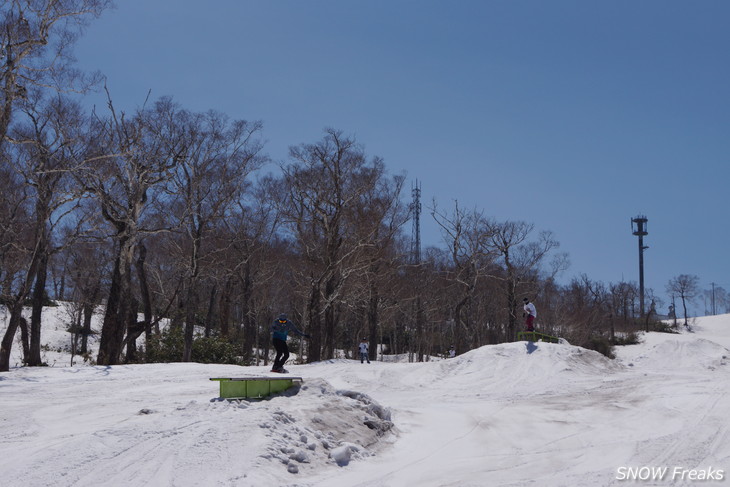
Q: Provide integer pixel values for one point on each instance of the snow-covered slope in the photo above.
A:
(512, 414)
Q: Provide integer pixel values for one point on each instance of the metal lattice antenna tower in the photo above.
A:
(416, 219)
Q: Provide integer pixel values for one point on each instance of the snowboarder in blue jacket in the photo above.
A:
(280, 331)
(364, 351)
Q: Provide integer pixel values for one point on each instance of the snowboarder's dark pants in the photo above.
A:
(282, 353)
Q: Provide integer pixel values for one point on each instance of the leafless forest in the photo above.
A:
(164, 215)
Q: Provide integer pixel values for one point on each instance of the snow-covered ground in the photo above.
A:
(505, 415)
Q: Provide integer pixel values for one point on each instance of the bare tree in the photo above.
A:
(248, 264)
(376, 221)
(590, 314)
(715, 298)
(623, 297)
(686, 286)
(44, 143)
(316, 198)
(19, 261)
(520, 258)
(128, 175)
(36, 37)
(15, 214)
(216, 160)
(49, 141)
(35, 41)
(468, 236)
(87, 264)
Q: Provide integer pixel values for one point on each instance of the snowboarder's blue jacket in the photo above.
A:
(280, 329)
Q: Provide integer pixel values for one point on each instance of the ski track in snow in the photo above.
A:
(516, 414)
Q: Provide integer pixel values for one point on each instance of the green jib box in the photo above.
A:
(533, 336)
(253, 387)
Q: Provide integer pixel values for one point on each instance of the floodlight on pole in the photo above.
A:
(639, 228)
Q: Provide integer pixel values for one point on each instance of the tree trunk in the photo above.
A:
(24, 338)
(459, 337)
(62, 287)
(16, 313)
(117, 309)
(88, 311)
(7, 343)
(249, 324)
(144, 291)
(191, 304)
(420, 337)
(315, 324)
(512, 308)
(329, 319)
(373, 304)
(6, 110)
(225, 308)
(109, 347)
(39, 292)
(210, 316)
(613, 327)
(190, 309)
(134, 330)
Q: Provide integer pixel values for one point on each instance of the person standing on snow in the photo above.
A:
(530, 315)
(364, 351)
(279, 333)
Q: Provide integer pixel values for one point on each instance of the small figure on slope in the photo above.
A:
(530, 314)
(279, 333)
(364, 351)
(452, 352)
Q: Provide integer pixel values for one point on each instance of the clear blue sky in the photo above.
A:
(572, 115)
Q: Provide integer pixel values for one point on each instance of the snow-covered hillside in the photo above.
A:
(512, 414)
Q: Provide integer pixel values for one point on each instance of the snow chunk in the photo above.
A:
(300, 456)
(341, 455)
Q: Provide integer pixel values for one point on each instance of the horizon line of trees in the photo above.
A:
(165, 213)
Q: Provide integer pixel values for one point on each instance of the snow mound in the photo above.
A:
(521, 368)
(529, 362)
(685, 352)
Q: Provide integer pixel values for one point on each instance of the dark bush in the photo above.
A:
(600, 344)
(169, 346)
(629, 339)
(215, 350)
(663, 327)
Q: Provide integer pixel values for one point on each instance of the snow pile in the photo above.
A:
(162, 424)
(509, 368)
(326, 426)
(683, 355)
(717, 327)
(677, 353)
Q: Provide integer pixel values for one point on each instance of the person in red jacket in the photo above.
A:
(530, 314)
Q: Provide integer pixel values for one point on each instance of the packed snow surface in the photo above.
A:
(515, 414)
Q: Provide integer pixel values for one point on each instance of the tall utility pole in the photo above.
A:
(416, 261)
(416, 218)
(638, 226)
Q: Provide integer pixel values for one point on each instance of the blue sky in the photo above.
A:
(572, 115)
